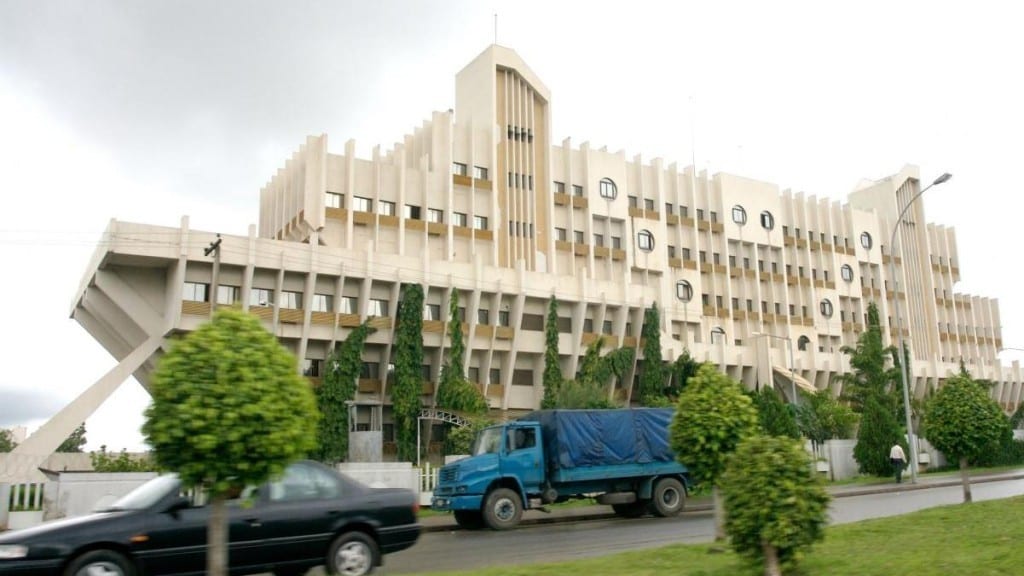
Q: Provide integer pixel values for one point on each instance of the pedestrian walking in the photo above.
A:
(898, 460)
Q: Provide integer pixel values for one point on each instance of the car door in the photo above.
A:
(300, 513)
(176, 540)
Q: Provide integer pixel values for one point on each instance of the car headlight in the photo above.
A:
(12, 551)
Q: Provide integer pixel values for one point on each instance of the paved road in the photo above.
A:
(463, 550)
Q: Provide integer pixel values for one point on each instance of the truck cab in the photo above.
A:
(492, 485)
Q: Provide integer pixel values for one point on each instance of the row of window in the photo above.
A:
(410, 211)
(518, 180)
(684, 292)
(520, 134)
(479, 172)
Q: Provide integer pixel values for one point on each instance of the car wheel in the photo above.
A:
(352, 554)
(100, 563)
(631, 510)
(669, 497)
(503, 509)
(469, 519)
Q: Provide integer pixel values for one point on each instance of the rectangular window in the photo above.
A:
(413, 212)
(432, 312)
(714, 216)
(474, 374)
(370, 371)
(195, 292)
(480, 222)
(732, 260)
(483, 316)
(703, 257)
(687, 254)
(261, 297)
(561, 234)
(378, 307)
(228, 294)
(460, 313)
(606, 327)
(700, 213)
(479, 172)
(459, 219)
(718, 302)
(323, 303)
(671, 251)
(598, 239)
(460, 169)
(348, 305)
(778, 308)
(588, 325)
(649, 205)
(291, 300)
(334, 200)
(634, 202)
(312, 368)
(386, 208)
(792, 309)
(532, 322)
(750, 305)
(764, 306)
(705, 299)
(716, 258)
(559, 187)
(617, 242)
(503, 318)
(434, 215)
(578, 236)
(360, 204)
(746, 263)
(684, 211)
(668, 208)
(577, 190)
(494, 376)
(735, 303)
(522, 377)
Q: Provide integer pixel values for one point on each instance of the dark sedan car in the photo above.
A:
(311, 516)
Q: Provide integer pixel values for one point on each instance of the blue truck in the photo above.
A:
(622, 457)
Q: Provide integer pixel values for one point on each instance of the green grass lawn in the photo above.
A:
(979, 539)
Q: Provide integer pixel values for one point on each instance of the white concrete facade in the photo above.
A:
(755, 279)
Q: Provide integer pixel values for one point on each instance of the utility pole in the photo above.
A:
(214, 247)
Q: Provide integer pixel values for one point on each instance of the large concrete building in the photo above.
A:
(766, 283)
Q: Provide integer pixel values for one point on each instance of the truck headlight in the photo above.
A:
(12, 551)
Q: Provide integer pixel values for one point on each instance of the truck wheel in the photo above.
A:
(669, 496)
(631, 510)
(469, 519)
(503, 509)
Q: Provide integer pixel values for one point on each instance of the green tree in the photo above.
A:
(460, 439)
(652, 378)
(552, 368)
(75, 442)
(775, 416)
(229, 409)
(405, 394)
(775, 506)
(684, 368)
(104, 461)
(877, 433)
(963, 422)
(1017, 420)
(576, 394)
(870, 374)
(455, 392)
(337, 389)
(712, 416)
(6, 441)
(822, 417)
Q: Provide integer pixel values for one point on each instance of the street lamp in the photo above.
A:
(911, 438)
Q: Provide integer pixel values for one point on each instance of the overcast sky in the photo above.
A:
(147, 111)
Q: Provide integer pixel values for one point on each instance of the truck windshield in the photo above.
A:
(488, 441)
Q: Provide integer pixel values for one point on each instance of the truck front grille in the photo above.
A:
(449, 474)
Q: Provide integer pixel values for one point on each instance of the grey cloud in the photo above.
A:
(19, 407)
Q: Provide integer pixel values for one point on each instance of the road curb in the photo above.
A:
(447, 523)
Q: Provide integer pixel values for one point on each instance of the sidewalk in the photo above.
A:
(446, 522)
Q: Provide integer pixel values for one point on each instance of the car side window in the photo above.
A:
(304, 483)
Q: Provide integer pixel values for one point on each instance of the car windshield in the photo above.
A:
(148, 494)
(488, 441)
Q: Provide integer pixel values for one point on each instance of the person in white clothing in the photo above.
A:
(898, 460)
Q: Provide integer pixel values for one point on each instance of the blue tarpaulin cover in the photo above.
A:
(577, 438)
